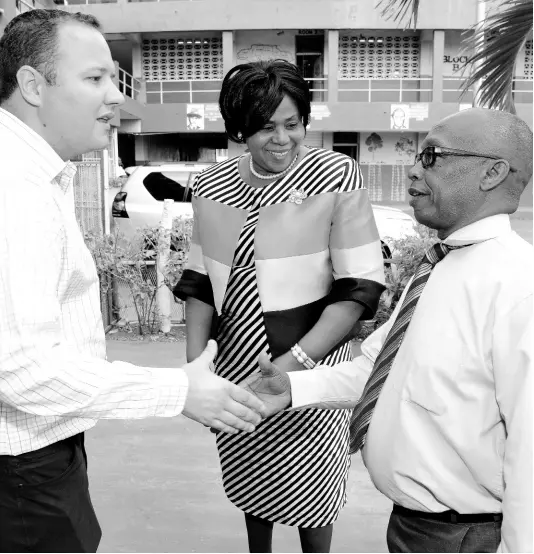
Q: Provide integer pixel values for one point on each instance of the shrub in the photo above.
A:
(132, 261)
(407, 252)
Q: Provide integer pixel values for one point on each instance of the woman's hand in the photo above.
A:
(287, 362)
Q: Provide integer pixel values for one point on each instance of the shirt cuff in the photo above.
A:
(303, 392)
(307, 390)
(172, 385)
(336, 387)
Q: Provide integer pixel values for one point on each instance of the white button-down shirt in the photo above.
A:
(452, 428)
(54, 378)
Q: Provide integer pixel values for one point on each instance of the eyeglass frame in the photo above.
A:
(439, 151)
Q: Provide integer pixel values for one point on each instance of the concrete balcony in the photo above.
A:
(356, 104)
(123, 16)
(133, 111)
(385, 90)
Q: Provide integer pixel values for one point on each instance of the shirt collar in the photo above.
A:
(36, 151)
(64, 178)
(479, 231)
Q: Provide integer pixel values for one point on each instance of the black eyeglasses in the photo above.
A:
(428, 156)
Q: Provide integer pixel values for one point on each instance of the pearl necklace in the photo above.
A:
(273, 175)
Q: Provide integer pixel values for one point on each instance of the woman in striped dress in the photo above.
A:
(285, 252)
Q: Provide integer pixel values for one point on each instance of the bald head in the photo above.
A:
(494, 133)
(481, 164)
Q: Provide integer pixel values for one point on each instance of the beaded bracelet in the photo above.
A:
(302, 357)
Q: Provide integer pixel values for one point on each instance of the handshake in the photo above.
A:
(221, 405)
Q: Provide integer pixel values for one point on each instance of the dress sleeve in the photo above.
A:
(355, 250)
(195, 281)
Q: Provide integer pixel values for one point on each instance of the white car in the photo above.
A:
(140, 202)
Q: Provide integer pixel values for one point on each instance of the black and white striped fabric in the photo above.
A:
(293, 469)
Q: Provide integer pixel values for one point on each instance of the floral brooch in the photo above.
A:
(297, 196)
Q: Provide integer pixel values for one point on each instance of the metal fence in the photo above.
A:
(117, 301)
(89, 192)
(89, 196)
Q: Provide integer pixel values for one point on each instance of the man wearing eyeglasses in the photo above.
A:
(442, 391)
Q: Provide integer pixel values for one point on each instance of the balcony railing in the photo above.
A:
(204, 91)
(71, 2)
(129, 85)
(385, 90)
(452, 91)
(207, 91)
(522, 90)
(318, 88)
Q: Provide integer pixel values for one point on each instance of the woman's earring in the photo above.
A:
(240, 136)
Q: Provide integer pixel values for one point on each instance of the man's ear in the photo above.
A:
(495, 173)
(31, 84)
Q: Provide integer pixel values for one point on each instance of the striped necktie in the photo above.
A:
(361, 416)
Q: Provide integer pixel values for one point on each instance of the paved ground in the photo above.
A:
(156, 484)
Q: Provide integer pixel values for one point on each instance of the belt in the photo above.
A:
(449, 516)
(77, 439)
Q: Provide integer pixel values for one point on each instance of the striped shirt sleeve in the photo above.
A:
(41, 371)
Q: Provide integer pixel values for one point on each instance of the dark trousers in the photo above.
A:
(44, 500)
(410, 531)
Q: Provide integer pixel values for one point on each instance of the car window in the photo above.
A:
(175, 185)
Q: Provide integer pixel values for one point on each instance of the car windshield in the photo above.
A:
(176, 185)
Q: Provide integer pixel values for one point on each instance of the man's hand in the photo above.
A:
(217, 403)
(270, 385)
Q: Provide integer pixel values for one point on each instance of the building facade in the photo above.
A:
(376, 88)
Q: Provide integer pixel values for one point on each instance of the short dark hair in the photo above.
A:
(31, 39)
(251, 93)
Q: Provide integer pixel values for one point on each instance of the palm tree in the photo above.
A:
(496, 43)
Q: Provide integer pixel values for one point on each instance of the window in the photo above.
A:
(346, 143)
(309, 50)
(379, 56)
(182, 58)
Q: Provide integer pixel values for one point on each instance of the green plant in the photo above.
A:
(407, 252)
(116, 182)
(497, 42)
(132, 262)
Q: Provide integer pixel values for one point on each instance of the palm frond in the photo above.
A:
(496, 43)
(398, 9)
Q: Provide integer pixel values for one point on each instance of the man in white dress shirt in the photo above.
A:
(450, 436)
(56, 99)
